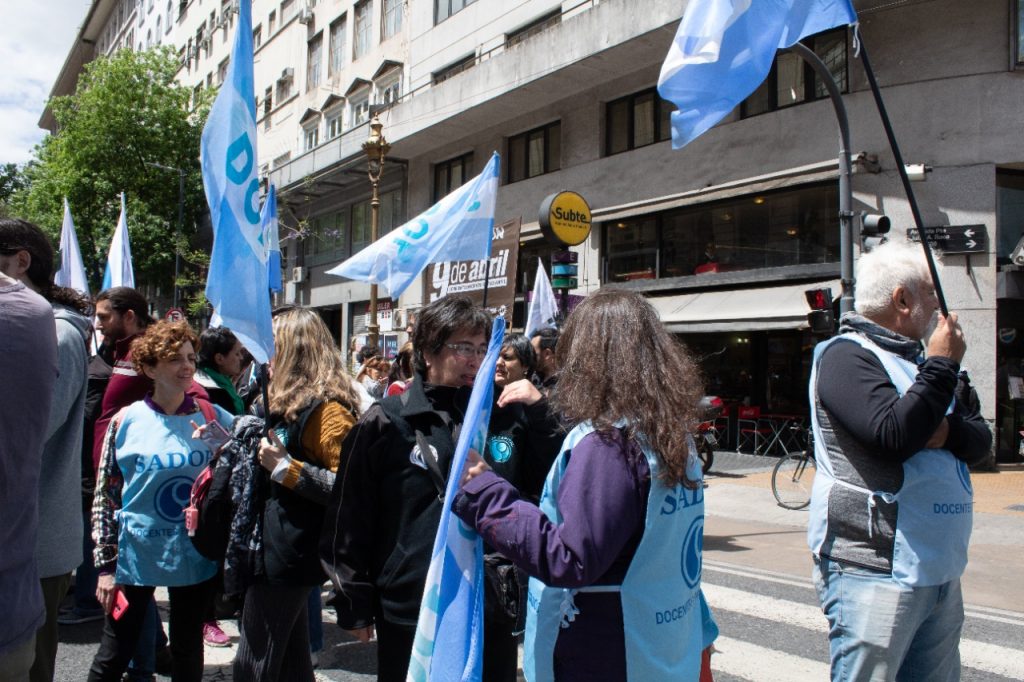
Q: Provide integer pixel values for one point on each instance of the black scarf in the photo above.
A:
(886, 339)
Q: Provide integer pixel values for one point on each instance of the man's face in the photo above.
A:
(109, 322)
(923, 310)
(545, 358)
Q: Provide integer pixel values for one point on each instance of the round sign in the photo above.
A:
(565, 218)
(175, 315)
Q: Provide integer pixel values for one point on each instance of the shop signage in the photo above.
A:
(954, 238)
(467, 277)
(565, 219)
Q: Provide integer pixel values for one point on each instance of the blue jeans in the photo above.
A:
(881, 630)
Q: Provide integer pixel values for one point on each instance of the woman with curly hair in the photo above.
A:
(148, 463)
(622, 508)
(313, 405)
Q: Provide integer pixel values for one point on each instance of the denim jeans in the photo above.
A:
(881, 630)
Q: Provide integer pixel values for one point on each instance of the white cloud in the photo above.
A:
(35, 38)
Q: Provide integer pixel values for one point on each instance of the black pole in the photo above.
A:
(903, 176)
(487, 281)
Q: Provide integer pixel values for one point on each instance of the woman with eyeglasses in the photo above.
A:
(386, 503)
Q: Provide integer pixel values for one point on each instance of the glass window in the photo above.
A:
(287, 10)
(535, 152)
(390, 92)
(391, 18)
(637, 120)
(333, 123)
(272, 22)
(314, 54)
(790, 85)
(533, 28)
(453, 69)
(222, 71)
(360, 108)
(449, 175)
(360, 226)
(1019, 47)
(257, 37)
(338, 37)
(362, 28)
(445, 8)
(310, 137)
(792, 81)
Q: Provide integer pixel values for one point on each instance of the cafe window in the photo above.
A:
(637, 121)
(535, 152)
(792, 80)
(788, 227)
(449, 175)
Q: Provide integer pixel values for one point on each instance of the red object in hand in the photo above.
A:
(705, 666)
(120, 605)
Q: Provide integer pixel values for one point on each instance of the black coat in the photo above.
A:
(384, 511)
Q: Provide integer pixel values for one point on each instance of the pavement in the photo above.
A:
(744, 525)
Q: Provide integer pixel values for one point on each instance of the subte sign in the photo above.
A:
(954, 238)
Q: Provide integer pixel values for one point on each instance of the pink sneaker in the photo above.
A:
(214, 636)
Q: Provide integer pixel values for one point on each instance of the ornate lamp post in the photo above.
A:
(376, 148)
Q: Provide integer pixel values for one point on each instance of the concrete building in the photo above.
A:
(723, 236)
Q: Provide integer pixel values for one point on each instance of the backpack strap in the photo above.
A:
(209, 414)
(437, 476)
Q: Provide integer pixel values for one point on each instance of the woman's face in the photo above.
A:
(173, 375)
(458, 360)
(230, 364)
(509, 368)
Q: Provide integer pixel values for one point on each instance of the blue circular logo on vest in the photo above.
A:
(691, 559)
(500, 448)
(172, 497)
(965, 477)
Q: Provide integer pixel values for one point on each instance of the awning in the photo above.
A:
(739, 309)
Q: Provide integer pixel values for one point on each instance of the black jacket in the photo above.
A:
(522, 444)
(384, 510)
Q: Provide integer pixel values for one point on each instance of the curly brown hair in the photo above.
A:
(618, 364)
(161, 341)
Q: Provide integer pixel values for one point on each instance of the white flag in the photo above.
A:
(118, 272)
(543, 307)
(72, 270)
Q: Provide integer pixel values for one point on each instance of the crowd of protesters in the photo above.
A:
(587, 493)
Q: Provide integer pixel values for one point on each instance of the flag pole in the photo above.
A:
(902, 169)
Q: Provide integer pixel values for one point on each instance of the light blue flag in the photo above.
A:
(449, 634)
(237, 285)
(268, 217)
(119, 272)
(458, 227)
(724, 49)
(543, 307)
(72, 269)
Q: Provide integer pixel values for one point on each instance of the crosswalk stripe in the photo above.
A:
(753, 662)
(990, 658)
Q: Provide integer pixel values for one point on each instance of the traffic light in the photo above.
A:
(874, 224)
(563, 269)
(820, 318)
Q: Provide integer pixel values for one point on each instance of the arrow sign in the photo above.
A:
(954, 238)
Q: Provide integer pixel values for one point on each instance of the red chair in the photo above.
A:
(751, 430)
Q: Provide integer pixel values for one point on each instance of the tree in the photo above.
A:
(126, 118)
(11, 181)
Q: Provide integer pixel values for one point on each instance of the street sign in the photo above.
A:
(954, 238)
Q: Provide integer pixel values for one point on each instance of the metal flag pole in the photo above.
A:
(901, 167)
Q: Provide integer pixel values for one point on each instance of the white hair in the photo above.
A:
(882, 270)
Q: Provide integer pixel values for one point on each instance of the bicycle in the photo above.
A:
(791, 484)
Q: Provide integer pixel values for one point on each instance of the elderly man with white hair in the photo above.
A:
(890, 516)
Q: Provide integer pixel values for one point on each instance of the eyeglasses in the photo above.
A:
(467, 350)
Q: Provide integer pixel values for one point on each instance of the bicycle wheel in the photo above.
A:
(792, 478)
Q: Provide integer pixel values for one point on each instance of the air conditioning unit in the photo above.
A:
(298, 275)
(287, 74)
(305, 16)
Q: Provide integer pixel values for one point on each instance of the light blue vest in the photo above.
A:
(667, 623)
(935, 503)
(159, 461)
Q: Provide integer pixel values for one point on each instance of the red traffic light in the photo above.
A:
(819, 299)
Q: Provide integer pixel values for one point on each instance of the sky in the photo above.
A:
(35, 38)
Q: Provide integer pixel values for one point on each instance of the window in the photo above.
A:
(391, 18)
(389, 89)
(535, 152)
(533, 28)
(314, 54)
(1018, 50)
(792, 80)
(222, 71)
(636, 121)
(445, 8)
(338, 37)
(454, 69)
(311, 136)
(336, 235)
(271, 23)
(333, 127)
(268, 106)
(362, 29)
(149, 39)
(287, 10)
(284, 90)
(158, 29)
(788, 227)
(359, 106)
(449, 175)
(257, 37)
(170, 14)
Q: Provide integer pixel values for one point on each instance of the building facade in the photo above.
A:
(723, 236)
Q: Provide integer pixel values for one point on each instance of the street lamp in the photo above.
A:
(181, 221)
(376, 148)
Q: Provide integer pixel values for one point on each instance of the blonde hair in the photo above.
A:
(307, 367)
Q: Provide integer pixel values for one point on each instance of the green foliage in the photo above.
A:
(11, 180)
(127, 114)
